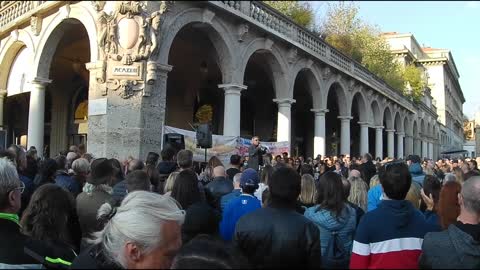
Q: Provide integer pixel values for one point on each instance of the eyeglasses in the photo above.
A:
(21, 188)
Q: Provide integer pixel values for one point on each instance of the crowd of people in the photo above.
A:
(77, 211)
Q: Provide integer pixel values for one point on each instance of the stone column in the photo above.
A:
(284, 119)
(231, 114)
(400, 136)
(430, 150)
(319, 136)
(364, 137)
(3, 94)
(390, 142)
(417, 146)
(36, 114)
(379, 142)
(345, 135)
(424, 149)
(408, 145)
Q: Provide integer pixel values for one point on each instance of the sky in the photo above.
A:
(437, 24)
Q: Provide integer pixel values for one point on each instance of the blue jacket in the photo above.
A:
(67, 182)
(417, 173)
(374, 197)
(228, 197)
(119, 191)
(234, 211)
(433, 219)
(326, 222)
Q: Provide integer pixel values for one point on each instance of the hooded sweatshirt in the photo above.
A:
(390, 236)
(327, 222)
(453, 248)
(416, 171)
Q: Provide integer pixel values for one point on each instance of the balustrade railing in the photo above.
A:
(274, 20)
(11, 10)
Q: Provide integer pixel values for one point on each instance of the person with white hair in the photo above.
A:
(218, 187)
(143, 233)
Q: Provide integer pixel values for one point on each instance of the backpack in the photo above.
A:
(335, 257)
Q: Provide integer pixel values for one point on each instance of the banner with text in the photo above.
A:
(224, 146)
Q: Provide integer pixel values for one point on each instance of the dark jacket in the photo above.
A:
(216, 189)
(255, 157)
(120, 191)
(278, 238)
(12, 244)
(200, 218)
(358, 212)
(368, 170)
(93, 258)
(450, 249)
(231, 173)
(64, 180)
(19, 250)
(166, 167)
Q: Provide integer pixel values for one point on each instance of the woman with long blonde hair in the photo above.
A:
(358, 192)
(308, 191)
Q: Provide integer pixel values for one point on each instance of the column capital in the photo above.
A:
(390, 130)
(232, 89)
(40, 81)
(345, 118)
(319, 112)
(401, 133)
(378, 127)
(161, 68)
(284, 102)
(3, 93)
(408, 136)
(367, 124)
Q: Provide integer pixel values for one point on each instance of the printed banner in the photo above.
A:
(224, 146)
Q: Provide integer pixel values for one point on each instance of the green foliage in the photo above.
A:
(415, 82)
(344, 30)
(300, 12)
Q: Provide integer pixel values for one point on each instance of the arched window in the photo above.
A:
(17, 75)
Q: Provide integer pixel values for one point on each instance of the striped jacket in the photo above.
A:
(390, 236)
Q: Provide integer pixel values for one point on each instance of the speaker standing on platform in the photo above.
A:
(255, 154)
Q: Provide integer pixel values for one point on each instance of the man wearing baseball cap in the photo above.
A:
(241, 205)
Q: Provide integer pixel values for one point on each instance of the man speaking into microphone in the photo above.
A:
(255, 154)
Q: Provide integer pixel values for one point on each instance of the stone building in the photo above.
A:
(112, 74)
(442, 78)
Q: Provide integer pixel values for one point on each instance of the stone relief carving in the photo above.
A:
(242, 31)
(326, 73)
(36, 24)
(351, 85)
(292, 55)
(128, 41)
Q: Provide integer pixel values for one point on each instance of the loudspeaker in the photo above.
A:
(174, 140)
(204, 136)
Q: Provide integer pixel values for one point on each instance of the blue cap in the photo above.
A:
(249, 178)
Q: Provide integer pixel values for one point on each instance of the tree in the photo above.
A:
(343, 29)
(299, 11)
(415, 82)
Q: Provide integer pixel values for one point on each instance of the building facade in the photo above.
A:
(112, 74)
(442, 79)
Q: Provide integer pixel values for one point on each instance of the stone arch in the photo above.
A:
(407, 126)
(10, 51)
(275, 62)
(222, 43)
(388, 118)
(339, 89)
(377, 116)
(312, 82)
(415, 130)
(398, 123)
(50, 37)
(359, 98)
